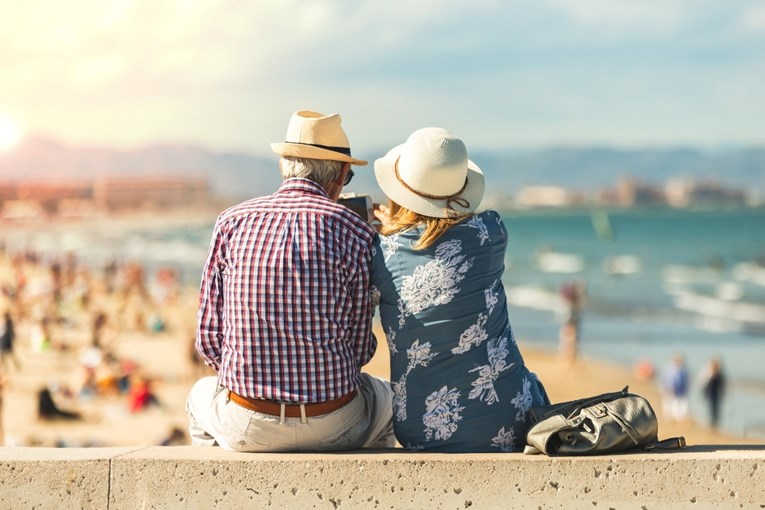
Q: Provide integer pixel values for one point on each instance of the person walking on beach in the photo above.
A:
(460, 382)
(7, 342)
(572, 301)
(713, 386)
(675, 388)
(285, 315)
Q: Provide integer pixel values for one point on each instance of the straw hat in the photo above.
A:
(431, 174)
(316, 136)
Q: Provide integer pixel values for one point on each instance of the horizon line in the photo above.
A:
(721, 146)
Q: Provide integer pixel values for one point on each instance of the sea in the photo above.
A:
(657, 282)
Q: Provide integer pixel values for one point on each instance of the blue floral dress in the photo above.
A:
(459, 380)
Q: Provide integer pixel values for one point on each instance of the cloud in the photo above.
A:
(754, 17)
(618, 14)
(229, 72)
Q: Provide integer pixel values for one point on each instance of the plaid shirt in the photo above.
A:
(284, 311)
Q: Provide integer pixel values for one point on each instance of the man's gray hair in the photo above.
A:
(321, 171)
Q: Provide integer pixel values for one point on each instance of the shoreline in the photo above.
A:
(591, 376)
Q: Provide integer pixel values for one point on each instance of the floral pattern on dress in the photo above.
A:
(448, 301)
(523, 400)
(504, 440)
(483, 387)
(492, 296)
(442, 414)
(434, 283)
(390, 245)
(419, 355)
(477, 223)
(374, 295)
(390, 337)
(399, 398)
(473, 336)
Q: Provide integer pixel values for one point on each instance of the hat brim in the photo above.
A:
(298, 150)
(385, 173)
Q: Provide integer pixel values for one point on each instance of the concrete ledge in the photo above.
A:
(188, 477)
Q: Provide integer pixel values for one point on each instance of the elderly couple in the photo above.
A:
(289, 291)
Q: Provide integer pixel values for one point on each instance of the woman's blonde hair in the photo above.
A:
(402, 219)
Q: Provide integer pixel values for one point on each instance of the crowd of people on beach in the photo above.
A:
(53, 307)
(676, 382)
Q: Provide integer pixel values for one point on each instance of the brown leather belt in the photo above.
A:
(291, 410)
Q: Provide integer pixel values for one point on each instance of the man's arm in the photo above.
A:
(365, 342)
(209, 324)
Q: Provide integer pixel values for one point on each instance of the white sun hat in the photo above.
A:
(316, 136)
(431, 174)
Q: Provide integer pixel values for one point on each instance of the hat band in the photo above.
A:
(456, 198)
(341, 150)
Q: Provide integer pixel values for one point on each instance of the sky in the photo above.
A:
(501, 74)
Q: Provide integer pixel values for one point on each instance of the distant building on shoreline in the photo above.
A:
(160, 193)
(103, 196)
(629, 192)
(686, 192)
(39, 199)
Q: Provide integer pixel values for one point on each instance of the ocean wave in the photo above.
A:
(557, 262)
(672, 273)
(618, 265)
(537, 298)
(718, 325)
(729, 291)
(748, 271)
(743, 313)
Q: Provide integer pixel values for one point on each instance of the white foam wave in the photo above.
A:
(537, 298)
(622, 265)
(718, 325)
(729, 291)
(557, 262)
(690, 274)
(747, 271)
(715, 308)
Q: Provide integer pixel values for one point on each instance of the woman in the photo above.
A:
(459, 380)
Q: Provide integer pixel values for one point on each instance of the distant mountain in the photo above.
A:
(234, 175)
(239, 175)
(587, 168)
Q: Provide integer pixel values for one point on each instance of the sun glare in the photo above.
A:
(10, 133)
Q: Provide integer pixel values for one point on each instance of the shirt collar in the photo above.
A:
(301, 186)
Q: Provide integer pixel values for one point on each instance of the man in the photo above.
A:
(285, 315)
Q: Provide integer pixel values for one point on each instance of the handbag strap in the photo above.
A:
(672, 443)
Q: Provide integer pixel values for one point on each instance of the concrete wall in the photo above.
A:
(205, 478)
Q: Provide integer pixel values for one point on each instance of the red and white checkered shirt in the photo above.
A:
(285, 312)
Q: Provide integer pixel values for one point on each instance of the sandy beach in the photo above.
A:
(161, 355)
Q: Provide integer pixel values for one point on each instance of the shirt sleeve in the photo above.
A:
(364, 340)
(209, 324)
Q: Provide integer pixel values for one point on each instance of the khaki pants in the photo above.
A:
(365, 422)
